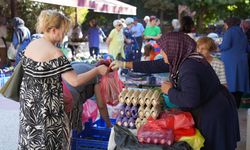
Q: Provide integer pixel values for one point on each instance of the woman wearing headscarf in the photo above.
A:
(234, 49)
(195, 87)
(21, 37)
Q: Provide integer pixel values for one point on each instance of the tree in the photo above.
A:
(211, 10)
(160, 6)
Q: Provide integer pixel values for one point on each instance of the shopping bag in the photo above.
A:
(90, 110)
(125, 140)
(11, 89)
(11, 52)
(110, 88)
(196, 141)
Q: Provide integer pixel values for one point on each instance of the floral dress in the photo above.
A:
(43, 122)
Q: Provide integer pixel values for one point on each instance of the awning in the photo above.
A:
(104, 6)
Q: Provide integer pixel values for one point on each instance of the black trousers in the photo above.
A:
(139, 42)
(94, 50)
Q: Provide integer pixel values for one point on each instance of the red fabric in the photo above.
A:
(110, 88)
(67, 97)
(184, 132)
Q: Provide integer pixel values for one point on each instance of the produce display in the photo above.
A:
(138, 105)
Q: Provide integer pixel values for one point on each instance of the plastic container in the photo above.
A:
(94, 136)
(167, 102)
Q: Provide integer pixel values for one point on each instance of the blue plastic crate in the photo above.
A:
(95, 136)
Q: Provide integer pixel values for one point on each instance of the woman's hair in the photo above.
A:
(187, 24)
(147, 49)
(208, 42)
(51, 18)
(233, 21)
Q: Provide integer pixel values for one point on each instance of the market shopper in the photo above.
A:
(94, 34)
(115, 40)
(195, 87)
(176, 25)
(137, 30)
(234, 48)
(152, 32)
(21, 37)
(156, 66)
(206, 46)
(131, 45)
(43, 121)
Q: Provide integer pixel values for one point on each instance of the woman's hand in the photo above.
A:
(166, 86)
(102, 70)
(116, 65)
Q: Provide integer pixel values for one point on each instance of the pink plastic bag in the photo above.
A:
(89, 110)
(68, 98)
(110, 88)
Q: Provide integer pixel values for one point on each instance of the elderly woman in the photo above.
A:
(21, 36)
(130, 42)
(234, 48)
(195, 87)
(115, 40)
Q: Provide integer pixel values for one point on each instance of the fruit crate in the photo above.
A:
(95, 136)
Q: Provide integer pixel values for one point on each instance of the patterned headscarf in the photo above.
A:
(16, 22)
(178, 47)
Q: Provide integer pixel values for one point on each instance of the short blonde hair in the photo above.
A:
(51, 18)
(209, 43)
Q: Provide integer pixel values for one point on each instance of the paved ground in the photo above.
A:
(243, 129)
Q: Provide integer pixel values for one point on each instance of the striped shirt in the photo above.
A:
(219, 69)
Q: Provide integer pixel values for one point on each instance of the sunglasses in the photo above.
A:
(119, 25)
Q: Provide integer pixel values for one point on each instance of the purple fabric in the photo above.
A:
(93, 37)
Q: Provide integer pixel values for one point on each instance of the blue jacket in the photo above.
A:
(234, 48)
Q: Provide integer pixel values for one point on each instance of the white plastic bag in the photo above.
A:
(11, 53)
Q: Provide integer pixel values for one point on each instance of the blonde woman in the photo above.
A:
(43, 122)
(115, 40)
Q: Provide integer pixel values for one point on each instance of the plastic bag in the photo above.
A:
(184, 132)
(114, 110)
(110, 88)
(125, 140)
(90, 110)
(196, 141)
(11, 52)
(183, 120)
(67, 97)
(154, 133)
